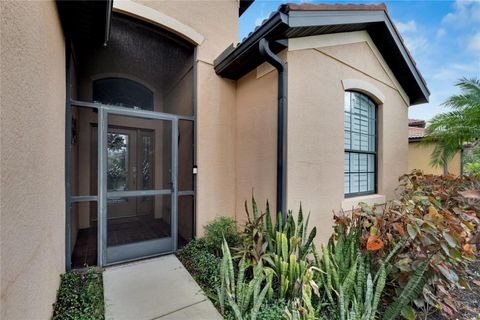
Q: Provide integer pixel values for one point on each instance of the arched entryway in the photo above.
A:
(131, 153)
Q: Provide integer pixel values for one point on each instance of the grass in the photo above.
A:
(80, 296)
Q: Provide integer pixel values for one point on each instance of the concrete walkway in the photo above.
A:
(159, 288)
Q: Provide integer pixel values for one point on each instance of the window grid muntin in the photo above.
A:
(359, 106)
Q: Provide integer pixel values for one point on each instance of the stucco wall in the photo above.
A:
(256, 140)
(32, 157)
(215, 103)
(419, 157)
(455, 164)
(315, 127)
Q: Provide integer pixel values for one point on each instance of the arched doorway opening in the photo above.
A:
(131, 152)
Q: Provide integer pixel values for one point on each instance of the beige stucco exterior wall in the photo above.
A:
(215, 103)
(454, 166)
(256, 140)
(419, 157)
(315, 128)
(32, 125)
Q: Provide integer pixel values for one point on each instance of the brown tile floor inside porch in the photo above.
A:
(119, 231)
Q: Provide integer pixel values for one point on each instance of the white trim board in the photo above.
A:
(336, 39)
(365, 87)
(158, 18)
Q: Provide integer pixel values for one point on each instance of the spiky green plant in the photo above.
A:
(351, 288)
(296, 311)
(242, 296)
(413, 288)
(292, 267)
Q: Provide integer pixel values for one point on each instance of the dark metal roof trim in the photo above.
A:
(227, 58)
(407, 56)
(86, 21)
(243, 6)
(235, 62)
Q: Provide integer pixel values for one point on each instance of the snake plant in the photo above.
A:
(351, 287)
(243, 296)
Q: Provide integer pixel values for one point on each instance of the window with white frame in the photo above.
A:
(360, 143)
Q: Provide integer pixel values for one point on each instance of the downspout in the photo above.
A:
(278, 64)
(108, 21)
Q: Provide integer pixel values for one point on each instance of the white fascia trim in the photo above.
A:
(153, 16)
(365, 87)
(327, 40)
(336, 39)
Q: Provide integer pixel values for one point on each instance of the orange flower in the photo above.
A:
(374, 243)
(467, 247)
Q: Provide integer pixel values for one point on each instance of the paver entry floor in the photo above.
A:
(159, 288)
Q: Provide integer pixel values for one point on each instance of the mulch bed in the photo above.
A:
(468, 300)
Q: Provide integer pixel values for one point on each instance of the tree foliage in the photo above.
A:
(450, 130)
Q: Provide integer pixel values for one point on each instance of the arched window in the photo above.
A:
(123, 93)
(360, 142)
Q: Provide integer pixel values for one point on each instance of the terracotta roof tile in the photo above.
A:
(416, 132)
(416, 123)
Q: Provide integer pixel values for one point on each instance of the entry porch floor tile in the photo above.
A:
(159, 288)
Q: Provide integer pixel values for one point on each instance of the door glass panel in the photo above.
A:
(147, 159)
(139, 154)
(185, 155)
(117, 163)
(148, 218)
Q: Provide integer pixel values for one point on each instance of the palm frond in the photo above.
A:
(450, 130)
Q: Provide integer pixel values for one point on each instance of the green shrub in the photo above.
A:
(201, 263)
(438, 223)
(80, 296)
(256, 239)
(472, 168)
(269, 310)
(217, 230)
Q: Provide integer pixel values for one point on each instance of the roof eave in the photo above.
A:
(86, 21)
(411, 63)
(326, 18)
(231, 54)
(298, 19)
